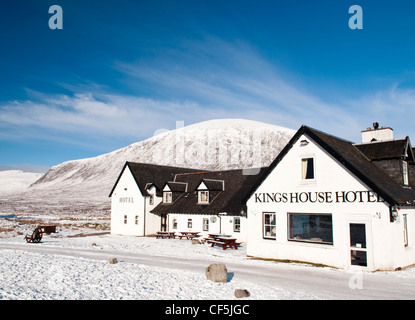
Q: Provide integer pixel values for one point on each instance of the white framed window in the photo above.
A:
(167, 197)
(174, 223)
(189, 223)
(405, 173)
(136, 220)
(307, 168)
(203, 197)
(269, 225)
(310, 227)
(237, 224)
(151, 200)
(205, 224)
(125, 219)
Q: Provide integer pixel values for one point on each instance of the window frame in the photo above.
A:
(264, 225)
(305, 167)
(167, 197)
(291, 236)
(199, 197)
(205, 224)
(405, 173)
(190, 223)
(125, 219)
(237, 225)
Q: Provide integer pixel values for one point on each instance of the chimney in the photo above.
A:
(377, 134)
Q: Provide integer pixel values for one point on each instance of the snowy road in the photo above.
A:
(322, 283)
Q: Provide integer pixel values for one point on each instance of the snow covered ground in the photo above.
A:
(61, 275)
(12, 181)
(66, 267)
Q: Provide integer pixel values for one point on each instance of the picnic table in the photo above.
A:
(189, 235)
(165, 235)
(223, 240)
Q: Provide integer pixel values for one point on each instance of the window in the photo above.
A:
(174, 223)
(151, 201)
(307, 168)
(189, 223)
(125, 219)
(136, 219)
(310, 227)
(269, 225)
(203, 197)
(167, 197)
(405, 173)
(236, 224)
(405, 230)
(205, 224)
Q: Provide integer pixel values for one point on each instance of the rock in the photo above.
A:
(217, 272)
(113, 261)
(242, 293)
(196, 241)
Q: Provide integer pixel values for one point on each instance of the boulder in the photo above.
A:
(217, 272)
(242, 293)
(113, 261)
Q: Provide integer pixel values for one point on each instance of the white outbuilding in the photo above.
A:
(148, 198)
(138, 190)
(325, 200)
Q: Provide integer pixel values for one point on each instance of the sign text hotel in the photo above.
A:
(318, 197)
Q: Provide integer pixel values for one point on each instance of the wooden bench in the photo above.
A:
(189, 235)
(219, 243)
(225, 242)
(165, 235)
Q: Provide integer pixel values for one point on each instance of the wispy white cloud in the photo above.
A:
(199, 81)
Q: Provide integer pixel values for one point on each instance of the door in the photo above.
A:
(358, 247)
(163, 226)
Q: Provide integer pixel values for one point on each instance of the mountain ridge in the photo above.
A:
(221, 144)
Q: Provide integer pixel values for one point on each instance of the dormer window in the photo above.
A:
(405, 173)
(203, 197)
(167, 197)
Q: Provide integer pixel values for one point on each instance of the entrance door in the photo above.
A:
(358, 248)
(163, 226)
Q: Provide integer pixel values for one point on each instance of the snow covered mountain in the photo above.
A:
(215, 144)
(12, 181)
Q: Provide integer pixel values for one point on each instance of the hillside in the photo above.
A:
(83, 185)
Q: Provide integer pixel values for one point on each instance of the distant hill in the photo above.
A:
(83, 185)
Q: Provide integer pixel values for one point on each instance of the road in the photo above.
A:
(321, 282)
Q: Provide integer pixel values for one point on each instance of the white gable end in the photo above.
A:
(202, 186)
(288, 212)
(127, 206)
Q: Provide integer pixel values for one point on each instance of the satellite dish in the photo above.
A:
(213, 219)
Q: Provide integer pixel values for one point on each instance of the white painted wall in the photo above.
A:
(217, 224)
(152, 221)
(384, 239)
(127, 189)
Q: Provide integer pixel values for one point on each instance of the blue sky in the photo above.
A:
(119, 71)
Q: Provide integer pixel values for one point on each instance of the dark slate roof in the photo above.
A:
(177, 186)
(385, 150)
(347, 154)
(146, 175)
(231, 200)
